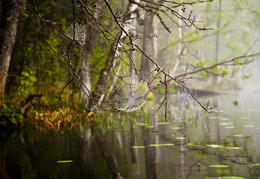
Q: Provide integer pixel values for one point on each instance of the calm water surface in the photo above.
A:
(133, 147)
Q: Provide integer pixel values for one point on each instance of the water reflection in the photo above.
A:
(228, 137)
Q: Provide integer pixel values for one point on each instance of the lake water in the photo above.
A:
(220, 144)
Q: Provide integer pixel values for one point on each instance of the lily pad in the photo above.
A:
(149, 126)
(225, 123)
(234, 148)
(255, 165)
(160, 145)
(249, 126)
(214, 117)
(190, 144)
(238, 135)
(230, 127)
(163, 123)
(64, 161)
(180, 138)
(218, 166)
(175, 128)
(228, 177)
(142, 124)
(138, 147)
(215, 146)
(224, 119)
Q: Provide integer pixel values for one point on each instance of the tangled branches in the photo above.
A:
(118, 28)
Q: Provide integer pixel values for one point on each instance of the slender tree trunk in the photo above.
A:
(155, 40)
(8, 40)
(98, 94)
(216, 79)
(147, 43)
(87, 50)
(180, 46)
(1, 4)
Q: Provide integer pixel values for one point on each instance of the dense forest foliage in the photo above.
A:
(60, 60)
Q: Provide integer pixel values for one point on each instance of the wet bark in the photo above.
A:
(86, 51)
(14, 10)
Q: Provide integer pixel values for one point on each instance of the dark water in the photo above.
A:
(230, 137)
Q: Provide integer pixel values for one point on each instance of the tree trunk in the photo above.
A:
(98, 94)
(180, 46)
(8, 40)
(1, 3)
(87, 50)
(216, 78)
(147, 43)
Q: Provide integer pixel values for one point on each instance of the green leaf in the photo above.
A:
(180, 138)
(9, 19)
(234, 148)
(218, 166)
(64, 161)
(227, 177)
(215, 146)
(138, 147)
(246, 76)
(163, 123)
(160, 145)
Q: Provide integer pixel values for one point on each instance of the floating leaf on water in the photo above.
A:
(238, 135)
(223, 119)
(180, 138)
(147, 126)
(214, 117)
(230, 127)
(249, 126)
(225, 123)
(234, 148)
(64, 161)
(160, 145)
(141, 124)
(255, 165)
(138, 147)
(227, 177)
(163, 123)
(190, 144)
(257, 128)
(215, 146)
(245, 118)
(218, 166)
(175, 128)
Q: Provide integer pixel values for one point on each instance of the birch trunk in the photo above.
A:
(87, 50)
(98, 94)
